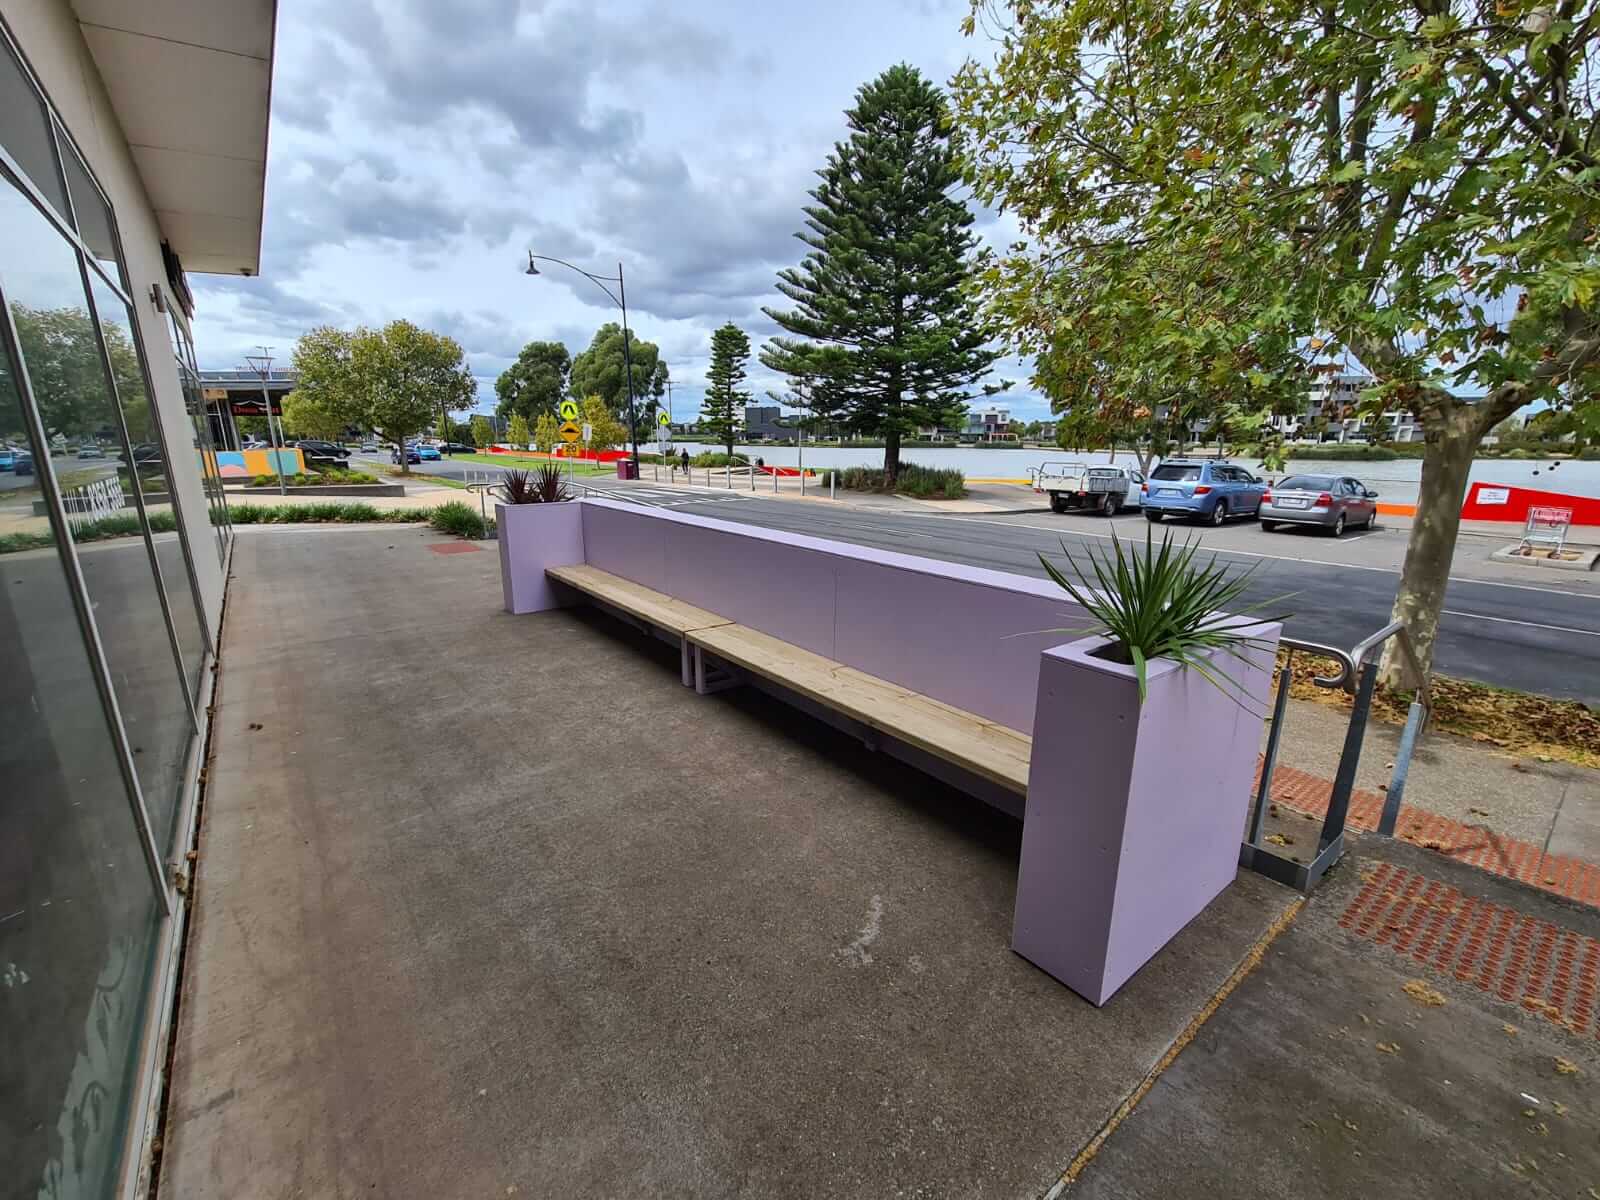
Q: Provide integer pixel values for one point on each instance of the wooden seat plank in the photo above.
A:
(647, 604)
(997, 754)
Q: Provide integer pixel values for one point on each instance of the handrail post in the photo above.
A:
(1344, 780)
(1270, 760)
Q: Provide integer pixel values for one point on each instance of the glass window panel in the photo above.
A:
(78, 911)
(204, 444)
(39, 274)
(25, 130)
(92, 212)
(150, 465)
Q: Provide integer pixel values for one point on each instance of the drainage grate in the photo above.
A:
(1548, 970)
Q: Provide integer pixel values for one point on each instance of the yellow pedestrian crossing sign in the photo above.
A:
(662, 419)
(569, 433)
(569, 412)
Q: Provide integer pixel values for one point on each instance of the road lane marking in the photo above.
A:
(1450, 612)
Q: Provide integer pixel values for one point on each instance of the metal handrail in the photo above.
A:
(1357, 675)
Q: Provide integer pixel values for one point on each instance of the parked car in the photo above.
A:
(24, 463)
(8, 459)
(1201, 489)
(90, 450)
(1106, 489)
(369, 447)
(319, 453)
(1333, 502)
(429, 453)
(147, 454)
(456, 448)
(413, 455)
(254, 443)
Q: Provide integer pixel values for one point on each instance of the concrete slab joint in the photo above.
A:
(1133, 811)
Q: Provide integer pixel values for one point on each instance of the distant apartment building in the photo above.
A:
(989, 422)
(764, 422)
(1330, 415)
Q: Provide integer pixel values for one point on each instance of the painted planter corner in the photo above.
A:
(1135, 812)
(533, 537)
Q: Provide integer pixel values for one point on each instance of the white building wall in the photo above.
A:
(50, 38)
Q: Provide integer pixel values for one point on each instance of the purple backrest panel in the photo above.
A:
(934, 627)
(946, 635)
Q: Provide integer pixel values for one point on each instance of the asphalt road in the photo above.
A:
(1541, 637)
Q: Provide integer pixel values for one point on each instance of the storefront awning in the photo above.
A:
(191, 82)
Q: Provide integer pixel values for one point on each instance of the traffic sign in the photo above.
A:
(569, 410)
(663, 420)
(570, 433)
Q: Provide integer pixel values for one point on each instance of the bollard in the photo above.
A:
(832, 475)
(774, 481)
(727, 474)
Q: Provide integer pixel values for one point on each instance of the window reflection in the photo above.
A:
(155, 481)
(39, 273)
(25, 130)
(92, 212)
(78, 912)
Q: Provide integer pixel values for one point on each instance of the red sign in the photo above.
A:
(1549, 518)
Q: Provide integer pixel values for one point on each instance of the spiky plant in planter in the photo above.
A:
(1163, 603)
(544, 485)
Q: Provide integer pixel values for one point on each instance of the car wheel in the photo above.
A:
(1153, 517)
(1108, 505)
(1219, 514)
(1268, 526)
(1338, 526)
(1057, 504)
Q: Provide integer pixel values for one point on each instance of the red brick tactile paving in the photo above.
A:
(1547, 970)
(1474, 845)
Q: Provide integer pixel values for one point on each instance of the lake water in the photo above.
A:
(1396, 480)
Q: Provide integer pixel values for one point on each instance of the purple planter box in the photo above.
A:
(1135, 812)
(533, 537)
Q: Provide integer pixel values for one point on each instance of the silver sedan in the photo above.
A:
(1333, 502)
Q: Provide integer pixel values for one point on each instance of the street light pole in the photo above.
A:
(620, 299)
(261, 364)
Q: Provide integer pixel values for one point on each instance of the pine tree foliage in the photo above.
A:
(730, 352)
(882, 323)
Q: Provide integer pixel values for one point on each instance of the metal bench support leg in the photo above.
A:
(709, 677)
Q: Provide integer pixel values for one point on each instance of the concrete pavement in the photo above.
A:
(494, 906)
(491, 906)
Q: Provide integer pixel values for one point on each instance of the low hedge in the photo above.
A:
(914, 479)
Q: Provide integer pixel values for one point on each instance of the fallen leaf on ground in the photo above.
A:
(1388, 1047)
(1565, 1066)
(1423, 994)
(1280, 839)
(1510, 1030)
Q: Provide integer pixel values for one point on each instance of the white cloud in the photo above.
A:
(419, 149)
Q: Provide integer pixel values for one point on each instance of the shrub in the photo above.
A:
(1164, 604)
(1346, 452)
(459, 519)
(1589, 454)
(333, 475)
(717, 458)
(543, 485)
(354, 513)
(928, 483)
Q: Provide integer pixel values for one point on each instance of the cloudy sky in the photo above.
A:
(420, 148)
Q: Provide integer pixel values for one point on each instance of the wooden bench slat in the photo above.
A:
(647, 604)
(999, 755)
(992, 751)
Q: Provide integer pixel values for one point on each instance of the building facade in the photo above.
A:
(132, 144)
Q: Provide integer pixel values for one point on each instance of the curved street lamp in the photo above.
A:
(620, 299)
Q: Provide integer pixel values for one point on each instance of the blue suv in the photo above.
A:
(1201, 489)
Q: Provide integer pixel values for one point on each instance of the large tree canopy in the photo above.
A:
(883, 287)
(1404, 185)
(599, 371)
(536, 383)
(393, 381)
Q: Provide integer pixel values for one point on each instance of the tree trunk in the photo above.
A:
(891, 457)
(1447, 458)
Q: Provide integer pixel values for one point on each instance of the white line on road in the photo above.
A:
(1450, 612)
